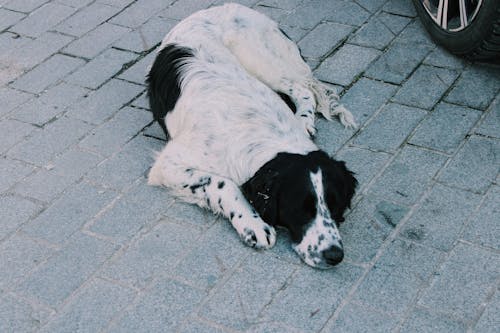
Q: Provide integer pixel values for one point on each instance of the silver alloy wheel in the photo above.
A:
(452, 15)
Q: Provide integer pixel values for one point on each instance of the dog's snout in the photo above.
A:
(334, 255)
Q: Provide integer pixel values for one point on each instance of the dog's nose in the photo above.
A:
(333, 255)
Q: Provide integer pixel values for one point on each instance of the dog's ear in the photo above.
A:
(262, 191)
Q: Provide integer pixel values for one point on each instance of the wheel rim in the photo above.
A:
(452, 15)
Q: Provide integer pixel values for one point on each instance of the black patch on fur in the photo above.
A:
(220, 184)
(202, 183)
(288, 101)
(164, 80)
(281, 190)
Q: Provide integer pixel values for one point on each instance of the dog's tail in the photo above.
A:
(328, 104)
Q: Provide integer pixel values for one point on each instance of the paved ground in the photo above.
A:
(85, 245)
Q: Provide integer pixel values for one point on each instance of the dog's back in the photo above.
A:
(217, 101)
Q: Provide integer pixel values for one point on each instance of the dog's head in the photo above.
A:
(307, 194)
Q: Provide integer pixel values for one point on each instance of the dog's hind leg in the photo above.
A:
(217, 193)
(270, 56)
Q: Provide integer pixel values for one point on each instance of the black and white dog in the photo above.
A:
(235, 146)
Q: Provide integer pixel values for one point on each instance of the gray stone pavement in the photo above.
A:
(87, 246)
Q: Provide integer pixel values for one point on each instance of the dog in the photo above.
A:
(234, 146)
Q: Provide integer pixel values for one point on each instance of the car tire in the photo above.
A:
(477, 39)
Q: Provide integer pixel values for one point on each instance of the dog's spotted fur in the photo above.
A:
(235, 146)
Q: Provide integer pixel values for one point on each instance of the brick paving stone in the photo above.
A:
(363, 162)
(19, 255)
(395, 23)
(365, 97)
(371, 5)
(153, 254)
(274, 13)
(442, 58)
(96, 41)
(87, 19)
(348, 13)
(218, 251)
(13, 132)
(425, 321)
(91, 308)
(24, 5)
(164, 307)
(386, 132)
(42, 185)
(110, 136)
(356, 318)
(116, 3)
(74, 163)
(247, 292)
(71, 266)
(323, 38)
(401, 58)
(309, 13)
(146, 36)
(373, 34)
(475, 165)
(100, 105)
(402, 270)
(441, 216)
(184, 213)
(42, 19)
(484, 228)
(476, 87)
(408, 175)
(49, 182)
(15, 212)
(139, 12)
(50, 104)
(9, 18)
(141, 102)
(471, 270)
(282, 4)
(9, 72)
(10, 41)
(11, 98)
(346, 64)
(101, 68)
(445, 128)
(137, 73)
(489, 322)
(400, 7)
(193, 326)
(368, 226)
(131, 213)
(490, 126)
(75, 3)
(41, 147)
(18, 316)
(182, 8)
(131, 163)
(328, 142)
(312, 312)
(32, 53)
(69, 213)
(425, 87)
(12, 171)
(47, 73)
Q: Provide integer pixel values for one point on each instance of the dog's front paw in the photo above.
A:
(261, 237)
